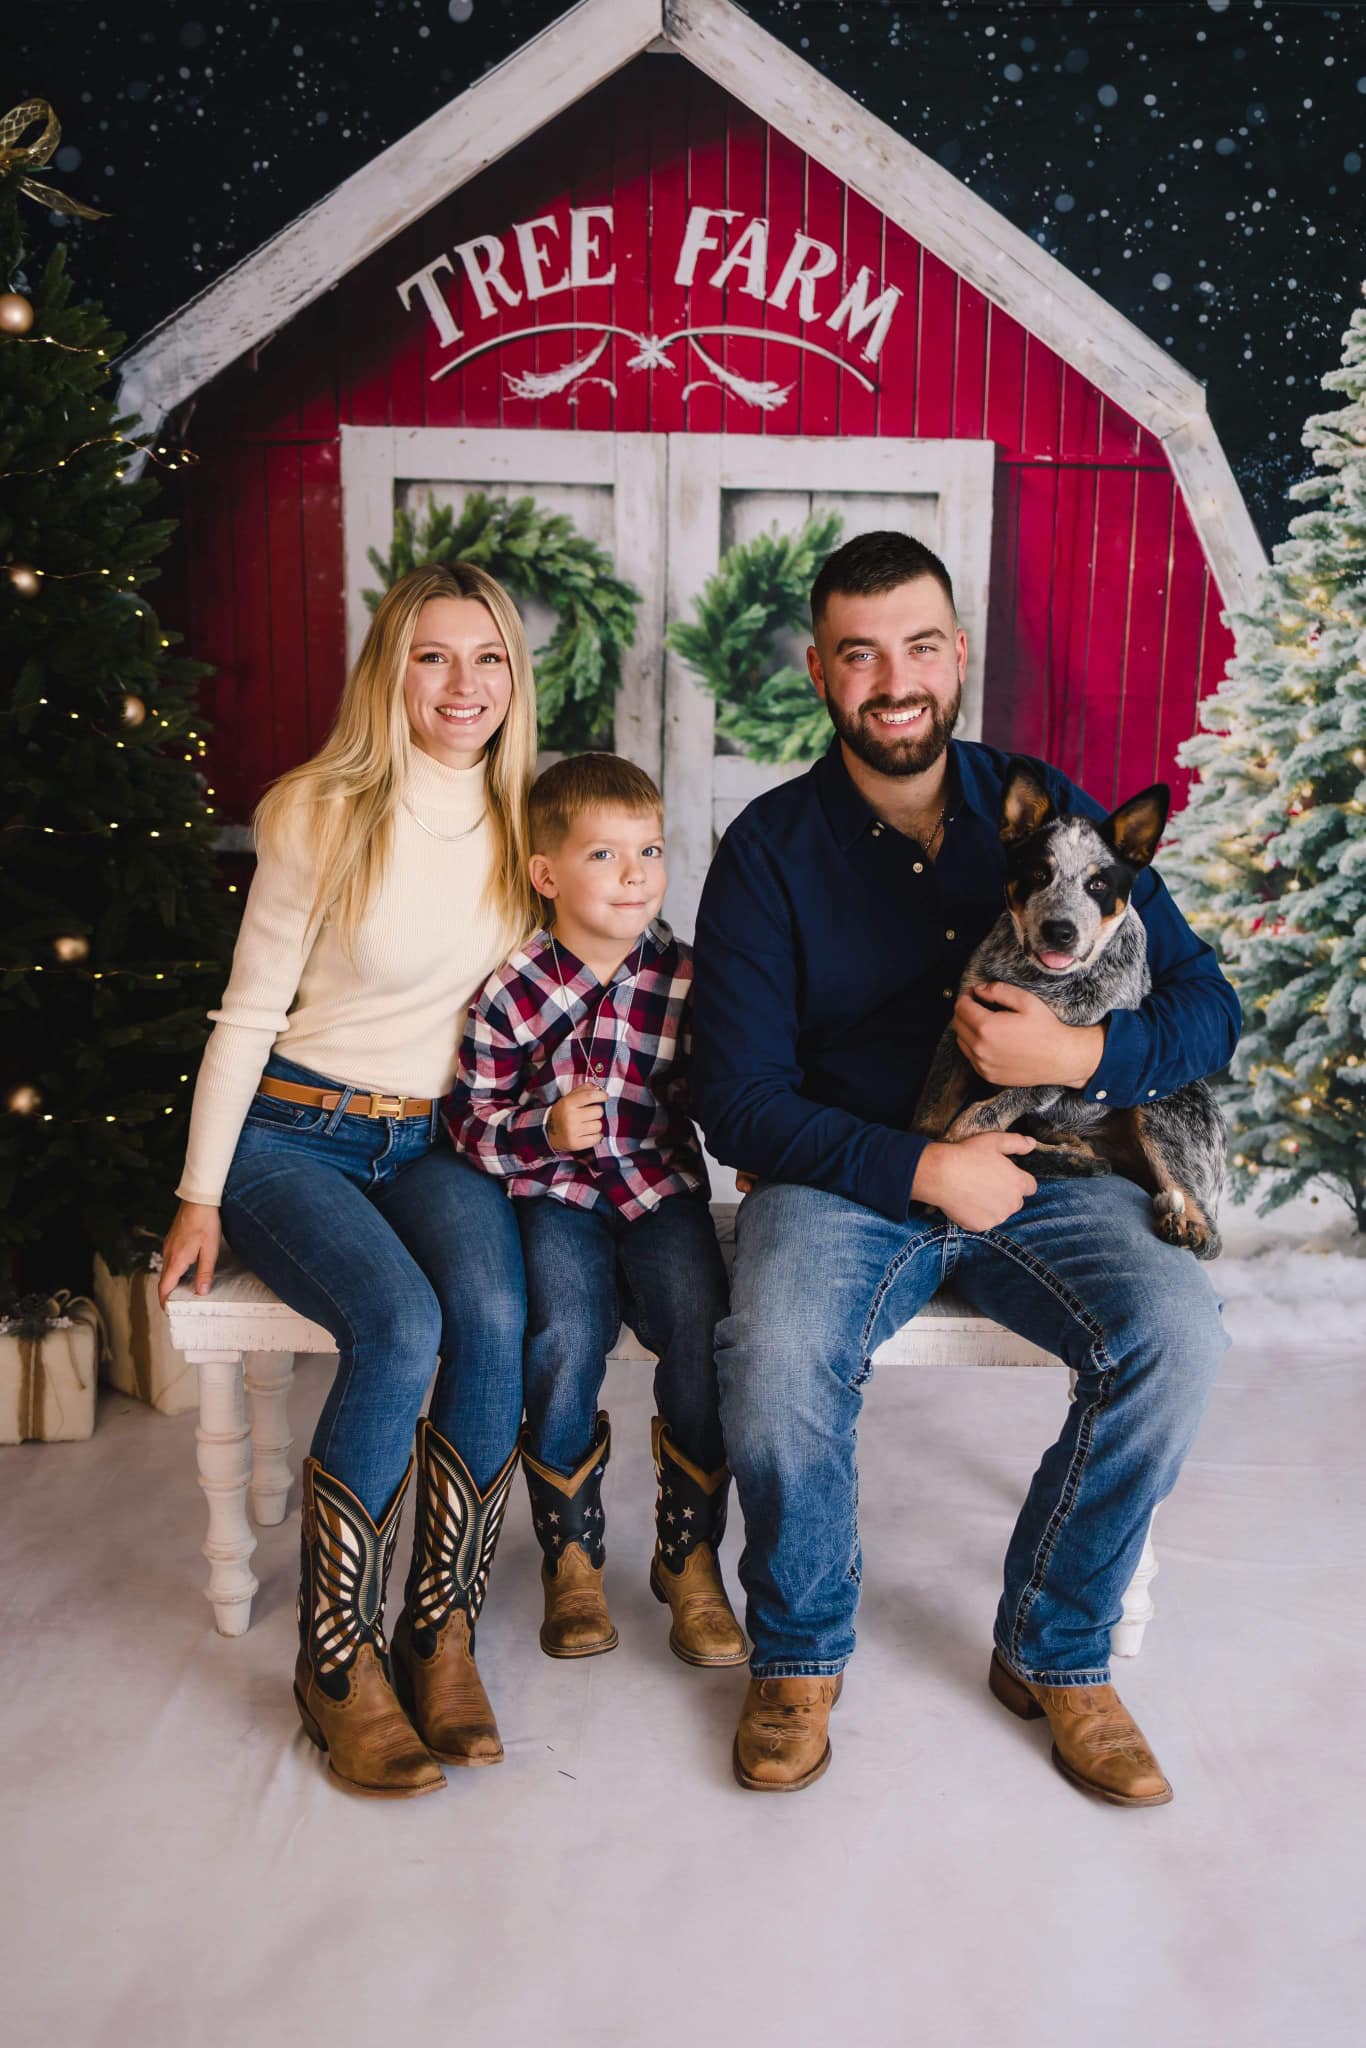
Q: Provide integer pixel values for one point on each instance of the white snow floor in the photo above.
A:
(179, 1873)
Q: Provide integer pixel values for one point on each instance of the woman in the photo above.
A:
(390, 882)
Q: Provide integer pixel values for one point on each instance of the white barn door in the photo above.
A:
(667, 508)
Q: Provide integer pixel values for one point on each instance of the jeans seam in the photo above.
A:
(889, 1273)
(829, 1667)
(349, 1366)
(1072, 1478)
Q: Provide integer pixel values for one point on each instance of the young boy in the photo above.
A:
(570, 1085)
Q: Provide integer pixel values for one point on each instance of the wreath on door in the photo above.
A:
(761, 587)
(536, 554)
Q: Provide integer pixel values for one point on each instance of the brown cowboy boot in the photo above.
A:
(1096, 1741)
(435, 1675)
(341, 1679)
(569, 1527)
(781, 1744)
(690, 1520)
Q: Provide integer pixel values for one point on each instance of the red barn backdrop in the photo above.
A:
(659, 273)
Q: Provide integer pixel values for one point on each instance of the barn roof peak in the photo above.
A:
(557, 68)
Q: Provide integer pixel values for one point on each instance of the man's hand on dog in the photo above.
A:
(575, 1123)
(1014, 1040)
(976, 1182)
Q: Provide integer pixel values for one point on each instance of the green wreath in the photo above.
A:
(537, 554)
(760, 588)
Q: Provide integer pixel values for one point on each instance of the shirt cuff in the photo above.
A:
(1120, 1079)
(184, 1194)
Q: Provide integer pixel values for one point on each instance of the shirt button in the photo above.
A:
(877, 831)
(918, 867)
(950, 935)
(1151, 1093)
(948, 995)
(1101, 1094)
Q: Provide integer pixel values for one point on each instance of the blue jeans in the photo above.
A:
(587, 1272)
(821, 1282)
(407, 1255)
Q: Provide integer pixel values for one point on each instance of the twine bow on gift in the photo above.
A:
(31, 1321)
(15, 154)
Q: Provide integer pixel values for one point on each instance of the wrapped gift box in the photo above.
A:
(49, 1362)
(140, 1358)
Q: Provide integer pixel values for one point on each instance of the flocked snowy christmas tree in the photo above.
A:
(1270, 853)
(115, 933)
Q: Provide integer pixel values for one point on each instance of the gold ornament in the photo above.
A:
(72, 947)
(132, 710)
(23, 579)
(16, 314)
(14, 154)
(23, 1101)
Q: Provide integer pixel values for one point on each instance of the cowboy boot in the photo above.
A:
(782, 1743)
(569, 1526)
(1096, 1741)
(456, 1534)
(341, 1679)
(685, 1572)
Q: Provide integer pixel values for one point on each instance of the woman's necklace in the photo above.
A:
(430, 830)
(591, 1066)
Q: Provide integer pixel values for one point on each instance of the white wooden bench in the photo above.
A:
(244, 1342)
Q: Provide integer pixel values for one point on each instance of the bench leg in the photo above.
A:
(269, 1376)
(1126, 1637)
(224, 1454)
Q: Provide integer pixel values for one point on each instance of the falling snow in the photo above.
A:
(1182, 159)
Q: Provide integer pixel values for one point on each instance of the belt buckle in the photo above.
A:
(386, 1105)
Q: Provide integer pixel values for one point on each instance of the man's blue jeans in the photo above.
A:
(587, 1272)
(405, 1254)
(821, 1282)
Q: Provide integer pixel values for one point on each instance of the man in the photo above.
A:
(835, 923)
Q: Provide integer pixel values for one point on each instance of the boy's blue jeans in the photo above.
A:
(587, 1272)
(407, 1255)
(821, 1282)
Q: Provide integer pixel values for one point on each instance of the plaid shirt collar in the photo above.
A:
(543, 953)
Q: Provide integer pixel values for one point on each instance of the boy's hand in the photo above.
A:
(575, 1123)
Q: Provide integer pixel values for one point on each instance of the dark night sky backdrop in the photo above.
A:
(1199, 163)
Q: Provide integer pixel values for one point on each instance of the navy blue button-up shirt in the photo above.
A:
(828, 955)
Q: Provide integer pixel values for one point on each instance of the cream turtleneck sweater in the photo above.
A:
(391, 1018)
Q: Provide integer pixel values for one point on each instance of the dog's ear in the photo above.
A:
(1026, 804)
(1135, 828)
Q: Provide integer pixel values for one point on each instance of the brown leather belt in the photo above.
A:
(359, 1105)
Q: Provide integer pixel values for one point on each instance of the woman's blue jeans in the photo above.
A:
(408, 1256)
(821, 1282)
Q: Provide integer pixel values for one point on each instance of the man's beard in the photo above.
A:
(881, 747)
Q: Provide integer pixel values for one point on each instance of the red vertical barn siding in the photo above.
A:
(1104, 626)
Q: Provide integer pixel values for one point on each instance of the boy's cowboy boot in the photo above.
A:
(456, 1534)
(569, 1528)
(781, 1744)
(690, 1520)
(1096, 1741)
(341, 1680)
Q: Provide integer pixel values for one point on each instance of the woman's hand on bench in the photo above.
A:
(195, 1238)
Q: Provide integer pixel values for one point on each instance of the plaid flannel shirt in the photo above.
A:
(530, 1037)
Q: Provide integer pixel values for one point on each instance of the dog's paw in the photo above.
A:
(1179, 1222)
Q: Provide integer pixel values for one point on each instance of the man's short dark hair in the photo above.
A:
(871, 563)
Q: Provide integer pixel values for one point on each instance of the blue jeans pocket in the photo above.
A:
(269, 1113)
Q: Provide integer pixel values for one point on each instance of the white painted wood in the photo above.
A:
(269, 1375)
(1126, 1637)
(640, 506)
(367, 492)
(224, 1457)
(1218, 511)
(694, 497)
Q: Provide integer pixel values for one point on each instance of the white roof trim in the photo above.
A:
(557, 68)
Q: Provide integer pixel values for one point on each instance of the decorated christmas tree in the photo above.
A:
(114, 937)
(1270, 853)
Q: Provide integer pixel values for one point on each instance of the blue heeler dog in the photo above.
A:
(1070, 936)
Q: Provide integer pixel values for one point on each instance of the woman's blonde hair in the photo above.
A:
(351, 787)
